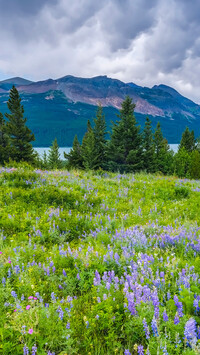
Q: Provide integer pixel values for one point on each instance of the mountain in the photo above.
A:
(60, 108)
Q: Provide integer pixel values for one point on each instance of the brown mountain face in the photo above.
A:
(108, 92)
(159, 101)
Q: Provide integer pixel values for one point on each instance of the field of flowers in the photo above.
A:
(98, 263)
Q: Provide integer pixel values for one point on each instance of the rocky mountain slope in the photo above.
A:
(61, 107)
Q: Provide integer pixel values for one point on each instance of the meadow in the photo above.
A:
(98, 263)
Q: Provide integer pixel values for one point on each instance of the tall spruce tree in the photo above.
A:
(74, 157)
(125, 147)
(100, 138)
(148, 147)
(4, 143)
(188, 140)
(54, 160)
(20, 135)
(163, 155)
(88, 149)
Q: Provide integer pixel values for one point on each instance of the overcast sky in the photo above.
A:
(144, 41)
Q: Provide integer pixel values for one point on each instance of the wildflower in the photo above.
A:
(28, 307)
(64, 273)
(127, 352)
(165, 316)
(190, 331)
(165, 350)
(140, 350)
(146, 329)
(34, 350)
(30, 331)
(30, 297)
(154, 327)
(25, 350)
(97, 316)
(176, 319)
(13, 294)
(68, 325)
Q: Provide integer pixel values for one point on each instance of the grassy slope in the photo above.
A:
(131, 227)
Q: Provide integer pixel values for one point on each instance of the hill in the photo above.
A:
(62, 107)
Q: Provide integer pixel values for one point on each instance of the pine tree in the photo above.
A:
(188, 140)
(194, 167)
(163, 155)
(45, 160)
(99, 137)
(20, 135)
(54, 160)
(88, 148)
(182, 163)
(149, 148)
(74, 157)
(4, 143)
(125, 147)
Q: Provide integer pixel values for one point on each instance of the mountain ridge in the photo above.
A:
(69, 99)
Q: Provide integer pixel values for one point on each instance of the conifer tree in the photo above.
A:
(100, 138)
(149, 148)
(4, 144)
(20, 135)
(163, 155)
(188, 140)
(54, 160)
(88, 149)
(45, 160)
(182, 163)
(125, 147)
(74, 157)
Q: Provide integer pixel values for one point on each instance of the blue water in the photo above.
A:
(46, 149)
(41, 151)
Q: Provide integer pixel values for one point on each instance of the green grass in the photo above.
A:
(99, 252)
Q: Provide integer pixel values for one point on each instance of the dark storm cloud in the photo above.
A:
(12, 8)
(146, 41)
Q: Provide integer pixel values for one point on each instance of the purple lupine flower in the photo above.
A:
(165, 316)
(196, 305)
(146, 329)
(179, 306)
(127, 352)
(25, 350)
(13, 294)
(97, 279)
(64, 273)
(190, 331)
(34, 350)
(140, 350)
(176, 319)
(154, 327)
(165, 350)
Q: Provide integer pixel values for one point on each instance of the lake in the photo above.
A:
(41, 151)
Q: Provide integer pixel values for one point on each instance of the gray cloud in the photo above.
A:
(145, 41)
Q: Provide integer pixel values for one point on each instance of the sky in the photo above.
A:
(147, 42)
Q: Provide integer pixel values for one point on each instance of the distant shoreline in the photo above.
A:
(41, 150)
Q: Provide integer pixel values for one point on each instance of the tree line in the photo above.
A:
(127, 150)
